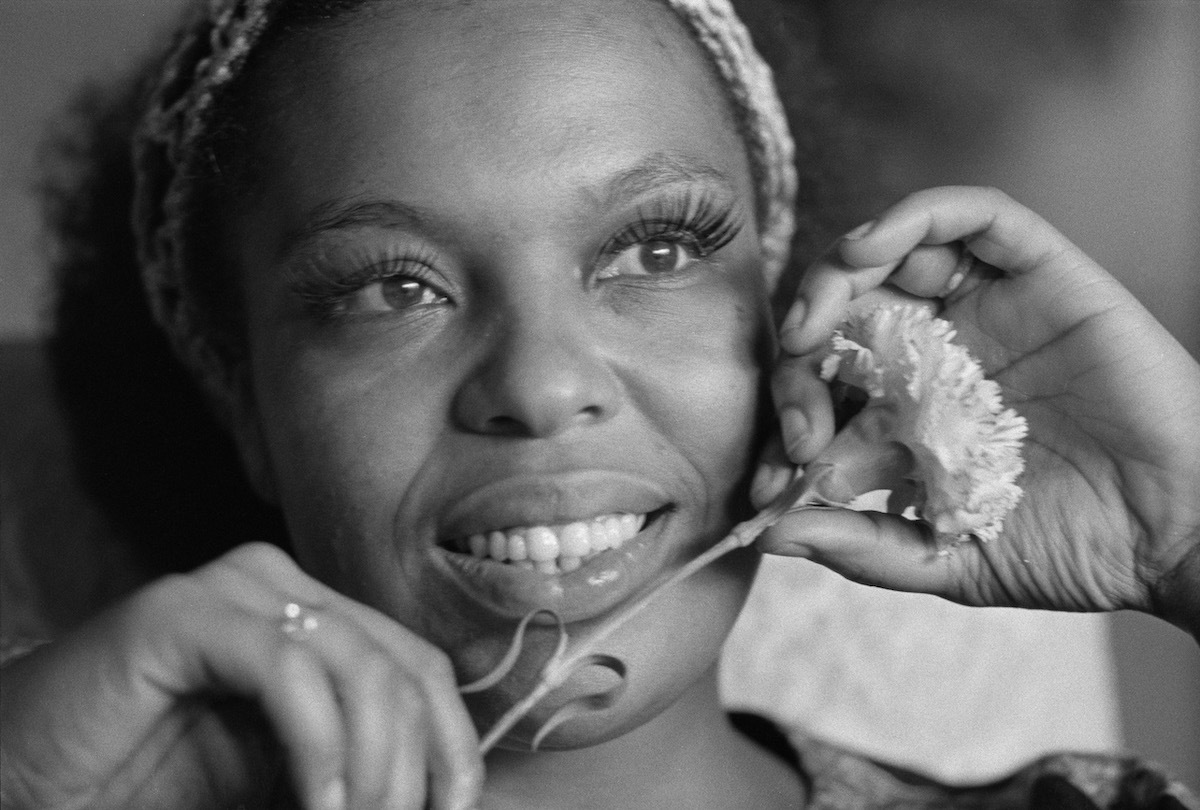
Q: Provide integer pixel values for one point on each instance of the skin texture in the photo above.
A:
(375, 424)
(524, 161)
(548, 368)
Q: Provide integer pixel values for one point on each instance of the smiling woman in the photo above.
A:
(482, 293)
(547, 376)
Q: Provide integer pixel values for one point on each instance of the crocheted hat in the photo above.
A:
(212, 51)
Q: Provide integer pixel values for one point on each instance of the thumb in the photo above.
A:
(873, 548)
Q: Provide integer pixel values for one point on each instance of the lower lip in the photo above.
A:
(598, 585)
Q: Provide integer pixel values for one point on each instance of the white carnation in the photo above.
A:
(931, 397)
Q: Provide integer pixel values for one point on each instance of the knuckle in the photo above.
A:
(257, 556)
(995, 196)
(374, 668)
(437, 667)
(408, 691)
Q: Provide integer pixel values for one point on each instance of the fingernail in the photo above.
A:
(334, 796)
(791, 332)
(768, 482)
(790, 340)
(796, 314)
(795, 429)
(954, 282)
(860, 231)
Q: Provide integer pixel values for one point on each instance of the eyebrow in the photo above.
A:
(345, 214)
(653, 172)
(658, 170)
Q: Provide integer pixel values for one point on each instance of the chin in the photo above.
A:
(670, 652)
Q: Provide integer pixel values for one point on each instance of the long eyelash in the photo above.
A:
(708, 224)
(324, 289)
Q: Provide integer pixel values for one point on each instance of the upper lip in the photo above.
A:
(549, 499)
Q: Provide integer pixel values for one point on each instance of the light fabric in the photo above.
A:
(962, 694)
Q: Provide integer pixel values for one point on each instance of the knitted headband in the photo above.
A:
(213, 51)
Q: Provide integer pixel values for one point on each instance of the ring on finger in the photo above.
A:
(299, 622)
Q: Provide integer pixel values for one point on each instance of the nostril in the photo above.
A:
(536, 383)
(592, 413)
(501, 425)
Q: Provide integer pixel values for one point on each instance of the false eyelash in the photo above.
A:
(323, 289)
(706, 223)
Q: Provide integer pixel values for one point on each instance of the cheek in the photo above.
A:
(344, 437)
(700, 371)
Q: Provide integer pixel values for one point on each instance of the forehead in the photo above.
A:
(470, 96)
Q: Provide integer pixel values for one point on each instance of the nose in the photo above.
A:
(540, 375)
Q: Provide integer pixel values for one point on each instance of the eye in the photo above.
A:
(392, 294)
(650, 258)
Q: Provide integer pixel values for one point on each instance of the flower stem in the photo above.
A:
(562, 664)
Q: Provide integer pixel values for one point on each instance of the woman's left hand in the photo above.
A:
(1110, 516)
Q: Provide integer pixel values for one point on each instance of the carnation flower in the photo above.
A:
(934, 429)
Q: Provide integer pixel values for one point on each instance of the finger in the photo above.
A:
(262, 580)
(408, 773)
(872, 548)
(406, 726)
(367, 688)
(303, 710)
(994, 227)
(805, 409)
(451, 744)
(822, 297)
(932, 271)
(205, 644)
(456, 768)
(773, 473)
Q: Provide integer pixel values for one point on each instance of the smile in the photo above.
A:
(577, 542)
(555, 549)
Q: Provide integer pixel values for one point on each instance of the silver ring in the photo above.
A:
(966, 263)
(298, 622)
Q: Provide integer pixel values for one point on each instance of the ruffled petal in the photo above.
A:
(966, 446)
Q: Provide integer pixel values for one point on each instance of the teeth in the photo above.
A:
(556, 549)
(498, 546)
(542, 542)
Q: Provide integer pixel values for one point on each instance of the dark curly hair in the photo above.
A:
(148, 449)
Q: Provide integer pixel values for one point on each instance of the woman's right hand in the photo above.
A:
(152, 704)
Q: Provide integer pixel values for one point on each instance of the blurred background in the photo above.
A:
(1088, 111)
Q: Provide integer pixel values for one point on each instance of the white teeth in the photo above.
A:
(542, 543)
(518, 549)
(556, 549)
(613, 526)
(574, 540)
(498, 546)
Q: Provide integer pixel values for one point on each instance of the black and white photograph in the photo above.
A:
(640, 404)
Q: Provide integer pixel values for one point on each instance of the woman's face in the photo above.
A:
(503, 299)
